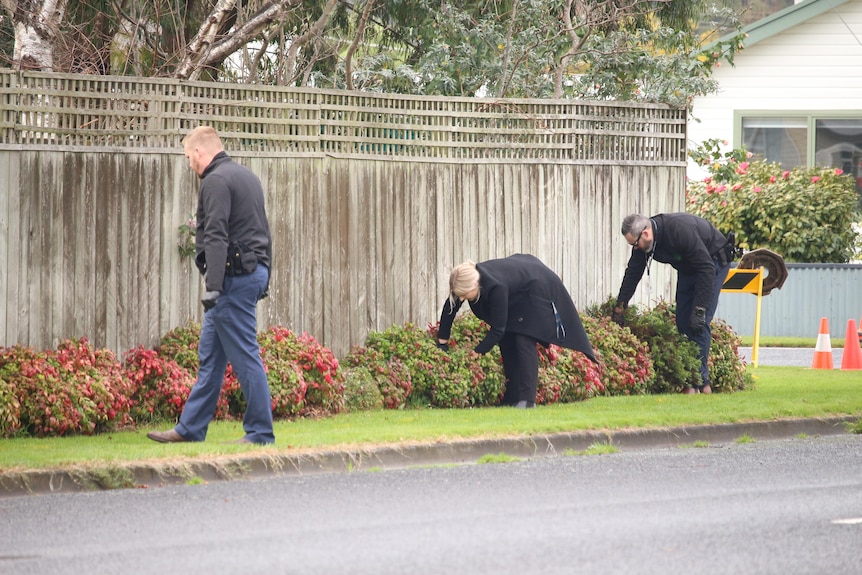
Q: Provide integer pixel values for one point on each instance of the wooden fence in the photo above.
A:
(372, 198)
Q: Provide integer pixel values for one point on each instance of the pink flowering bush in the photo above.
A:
(804, 214)
(76, 389)
(486, 370)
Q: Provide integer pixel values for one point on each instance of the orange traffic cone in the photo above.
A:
(823, 349)
(852, 358)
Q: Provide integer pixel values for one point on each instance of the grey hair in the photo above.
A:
(463, 279)
(634, 224)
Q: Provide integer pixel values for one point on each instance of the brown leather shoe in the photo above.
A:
(170, 436)
(689, 391)
(706, 389)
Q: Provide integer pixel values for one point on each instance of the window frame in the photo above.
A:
(810, 117)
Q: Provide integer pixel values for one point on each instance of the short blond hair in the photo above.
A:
(205, 138)
(463, 279)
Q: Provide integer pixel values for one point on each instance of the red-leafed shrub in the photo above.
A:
(481, 375)
(73, 389)
(626, 363)
(391, 376)
(461, 377)
(566, 376)
(304, 376)
(410, 370)
(10, 409)
(181, 346)
(161, 385)
(416, 352)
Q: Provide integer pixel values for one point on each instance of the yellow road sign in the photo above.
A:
(747, 281)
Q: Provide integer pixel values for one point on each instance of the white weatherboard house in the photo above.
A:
(794, 96)
(795, 92)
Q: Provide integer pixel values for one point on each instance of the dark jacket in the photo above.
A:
(686, 242)
(230, 209)
(518, 294)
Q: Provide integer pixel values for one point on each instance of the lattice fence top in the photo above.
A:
(83, 112)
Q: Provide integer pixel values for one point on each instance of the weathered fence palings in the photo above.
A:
(371, 197)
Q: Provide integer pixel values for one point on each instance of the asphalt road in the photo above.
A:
(775, 507)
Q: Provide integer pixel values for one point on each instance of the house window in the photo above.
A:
(807, 140)
(838, 143)
(782, 140)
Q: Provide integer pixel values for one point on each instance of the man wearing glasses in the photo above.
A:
(701, 255)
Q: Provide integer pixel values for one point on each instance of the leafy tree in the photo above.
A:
(628, 49)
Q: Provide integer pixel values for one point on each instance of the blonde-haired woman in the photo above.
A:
(524, 302)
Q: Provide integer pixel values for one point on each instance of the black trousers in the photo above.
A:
(521, 366)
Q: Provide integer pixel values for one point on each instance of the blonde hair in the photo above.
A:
(204, 137)
(463, 279)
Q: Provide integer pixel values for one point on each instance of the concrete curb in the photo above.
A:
(455, 452)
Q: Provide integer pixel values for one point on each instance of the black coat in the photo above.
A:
(518, 294)
(686, 242)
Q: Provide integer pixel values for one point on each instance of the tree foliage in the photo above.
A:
(649, 50)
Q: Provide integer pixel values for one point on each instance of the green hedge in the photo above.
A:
(76, 389)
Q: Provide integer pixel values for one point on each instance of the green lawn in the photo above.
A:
(787, 341)
(780, 392)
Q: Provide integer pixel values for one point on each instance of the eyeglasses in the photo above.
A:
(634, 244)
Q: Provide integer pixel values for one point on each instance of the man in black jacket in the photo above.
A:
(524, 303)
(699, 253)
(233, 250)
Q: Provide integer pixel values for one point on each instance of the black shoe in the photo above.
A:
(524, 404)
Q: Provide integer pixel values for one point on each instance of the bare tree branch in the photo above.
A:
(208, 49)
(577, 44)
(298, 42)
(198, 50)
(360, 31)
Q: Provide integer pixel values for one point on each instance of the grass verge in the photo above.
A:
(780, 392)
(787, 341)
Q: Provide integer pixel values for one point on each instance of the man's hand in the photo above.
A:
(210, 299)
(698, 321)
(618, 316)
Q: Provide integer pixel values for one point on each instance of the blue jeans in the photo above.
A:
(685, 290)
(229, 334)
